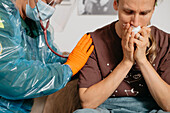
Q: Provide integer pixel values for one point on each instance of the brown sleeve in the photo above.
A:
(90, 73)
(105, 47)
(162, 60)
(164, 68)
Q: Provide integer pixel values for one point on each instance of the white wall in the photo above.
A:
(78, 25)
(161, 17)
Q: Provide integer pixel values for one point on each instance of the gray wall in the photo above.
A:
(76, 25)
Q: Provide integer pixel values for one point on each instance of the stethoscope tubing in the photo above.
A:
(45, 34)
(45, 37)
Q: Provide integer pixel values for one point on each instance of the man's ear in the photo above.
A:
(115, 5)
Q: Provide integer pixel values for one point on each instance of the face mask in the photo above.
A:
(45, 11)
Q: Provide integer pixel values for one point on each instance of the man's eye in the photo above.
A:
(143, 13)
(129, 12)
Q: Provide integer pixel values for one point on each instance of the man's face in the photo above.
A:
(135, 12)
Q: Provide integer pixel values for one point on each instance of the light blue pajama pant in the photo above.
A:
(126, 105)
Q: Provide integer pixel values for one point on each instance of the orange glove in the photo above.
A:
(80, 54)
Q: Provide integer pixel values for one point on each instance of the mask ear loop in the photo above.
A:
(45, 33)
(53, 3)
(50, 2)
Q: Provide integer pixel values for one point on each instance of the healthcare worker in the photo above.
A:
(28, 68)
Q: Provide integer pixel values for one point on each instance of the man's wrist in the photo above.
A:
(127, 63)
(142, 61)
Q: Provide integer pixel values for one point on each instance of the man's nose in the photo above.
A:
(135, 20)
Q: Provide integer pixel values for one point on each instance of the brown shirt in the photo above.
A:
(108, 54)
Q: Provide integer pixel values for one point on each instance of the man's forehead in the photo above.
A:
(136, 1)
(132, 4)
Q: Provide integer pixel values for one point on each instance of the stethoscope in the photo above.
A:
(45, 35)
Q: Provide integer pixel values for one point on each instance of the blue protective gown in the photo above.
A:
(28, 69)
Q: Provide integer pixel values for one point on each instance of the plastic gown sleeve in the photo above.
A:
(20, 77)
